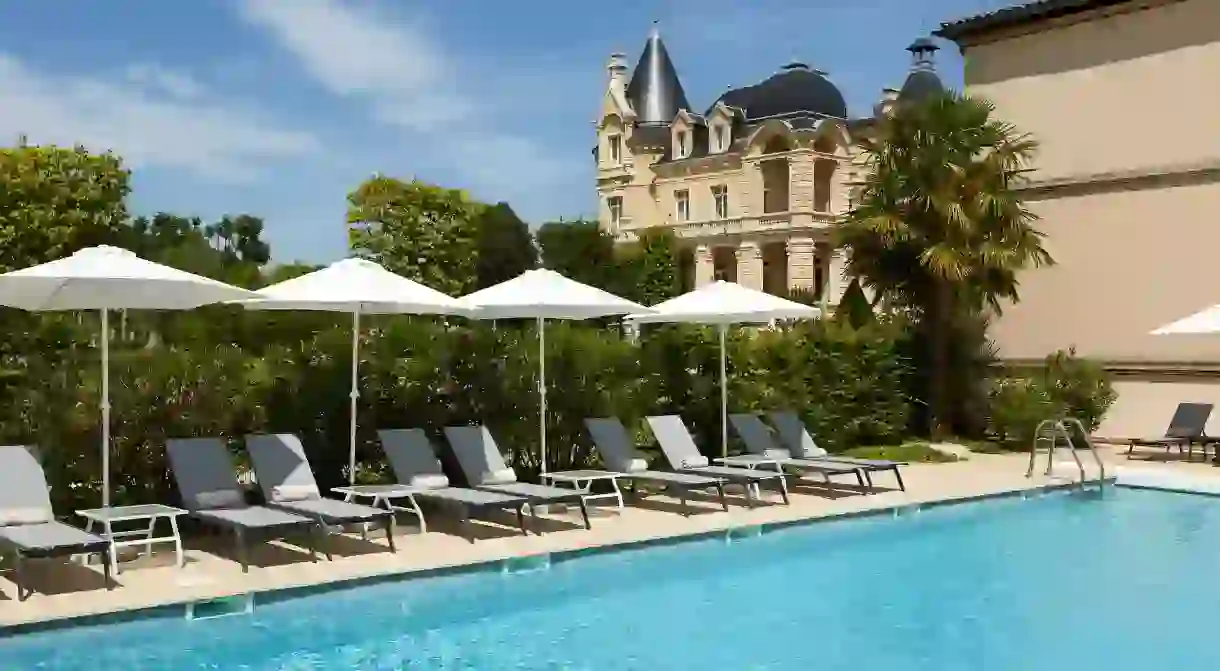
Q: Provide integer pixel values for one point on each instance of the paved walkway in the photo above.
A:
(68, 590)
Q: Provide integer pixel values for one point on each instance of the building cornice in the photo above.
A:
(1037, 17)
(1134, 179)
(1124, 368)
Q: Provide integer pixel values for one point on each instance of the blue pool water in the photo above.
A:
(1057, 582)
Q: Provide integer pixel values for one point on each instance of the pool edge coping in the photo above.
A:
(177, 608)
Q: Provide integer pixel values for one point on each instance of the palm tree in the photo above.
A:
(936, 225)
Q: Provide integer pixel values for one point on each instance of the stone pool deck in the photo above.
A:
(67, 590)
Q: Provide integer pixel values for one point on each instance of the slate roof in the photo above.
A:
(1019, 15)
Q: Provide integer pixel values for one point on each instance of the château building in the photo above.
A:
(752, 184)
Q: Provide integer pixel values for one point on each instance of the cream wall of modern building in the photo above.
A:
(1123, 102)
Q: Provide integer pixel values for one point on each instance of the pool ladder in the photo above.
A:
(1049, 432)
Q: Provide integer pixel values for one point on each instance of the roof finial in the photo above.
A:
(655, 31)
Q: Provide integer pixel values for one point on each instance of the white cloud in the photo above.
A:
(159, 80)
(149, 115)
(396, 65)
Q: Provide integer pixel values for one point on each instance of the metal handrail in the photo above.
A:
(1101, 467)
(1058, 427)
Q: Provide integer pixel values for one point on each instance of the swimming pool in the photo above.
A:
(1055, 582)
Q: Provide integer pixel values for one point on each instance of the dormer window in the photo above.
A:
(681, 144)
(615, 145)
(720, 137)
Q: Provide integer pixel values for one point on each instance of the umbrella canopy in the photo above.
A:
(109, 278)
(358, 286)
(1207, 321)
(723, 303)
(105, 277)
(726, 303)
(545, 294)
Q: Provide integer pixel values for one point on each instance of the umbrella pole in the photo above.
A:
(355, 395)
(542, 390)
(724, 395)
(105, 408)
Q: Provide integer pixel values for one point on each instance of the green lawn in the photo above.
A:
(912, 452)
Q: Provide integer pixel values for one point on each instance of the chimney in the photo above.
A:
(923, 54)
(889, 96)
(617, 67)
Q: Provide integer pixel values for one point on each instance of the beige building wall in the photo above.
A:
(1127, 185)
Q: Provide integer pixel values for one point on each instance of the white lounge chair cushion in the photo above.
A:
(16, 516)
(221, 498)
(500, 476)
(695, 462)
(430, 481)
(637, 465)
(285, 493)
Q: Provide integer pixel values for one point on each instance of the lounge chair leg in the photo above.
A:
(239, 539)
(107, 557)
(324, 533)
(389, 532)
(864, 480)
(520, 521)
(19, 577)
(534, 518)
(783, 487)
(584, 512)
(724, 502)
(898, 477)
(311, 542)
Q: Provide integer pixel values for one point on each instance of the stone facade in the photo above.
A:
(753, 187)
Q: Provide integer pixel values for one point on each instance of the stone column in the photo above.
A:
(836, 279)
(750, 265)
(705, 266)
(801, 259)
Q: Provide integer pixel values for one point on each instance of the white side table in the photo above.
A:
(109, 517)
(582, 481)
(383, 496)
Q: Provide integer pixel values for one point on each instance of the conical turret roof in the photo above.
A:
(655, 92)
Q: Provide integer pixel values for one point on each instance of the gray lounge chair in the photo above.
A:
(793, 436)
(415, 464)
(618, 453)
(683, 456)
(207, 482)
(287, 483)
(761, 445)
(28, 528)
(484, 468)
(1186, 428)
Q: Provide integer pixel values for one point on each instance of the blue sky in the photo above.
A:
(279, 108)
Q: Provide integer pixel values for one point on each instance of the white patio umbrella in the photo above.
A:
(723, 303)
(109, 278)
(545, 294)
(358, 286)
(1205, 321)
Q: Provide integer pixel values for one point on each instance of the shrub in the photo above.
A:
(1017, 406)
(1079, 387)
(295, 376)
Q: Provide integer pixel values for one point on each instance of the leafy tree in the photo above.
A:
(649, 269)
(418, 230)
(579, 249)
(506, 248)
(54, 201)
(937, 225)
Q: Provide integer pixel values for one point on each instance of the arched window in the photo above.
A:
(775, 176)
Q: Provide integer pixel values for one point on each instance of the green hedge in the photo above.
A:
(423, 372)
